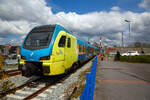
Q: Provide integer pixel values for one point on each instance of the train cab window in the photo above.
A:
(69, 43)
(62, 41)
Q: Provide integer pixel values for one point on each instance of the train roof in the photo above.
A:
(59, 27)
(82, 42)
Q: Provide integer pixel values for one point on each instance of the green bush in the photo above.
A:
(136, 59)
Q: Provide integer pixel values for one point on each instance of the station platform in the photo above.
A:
(122, 81)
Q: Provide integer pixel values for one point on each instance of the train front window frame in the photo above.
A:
(39, 38)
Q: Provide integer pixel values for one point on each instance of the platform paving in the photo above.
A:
(122, 81)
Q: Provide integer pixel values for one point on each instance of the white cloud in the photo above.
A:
(2, 40)
(145, 4)
(22, 17)
(14, 27)
(31, 10)
(115, 8)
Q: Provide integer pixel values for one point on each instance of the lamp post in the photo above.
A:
(100, 40)
(128, 21)
(122, 40)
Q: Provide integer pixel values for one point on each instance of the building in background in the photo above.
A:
(6, 50)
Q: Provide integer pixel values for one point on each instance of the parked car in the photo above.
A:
(130, 53)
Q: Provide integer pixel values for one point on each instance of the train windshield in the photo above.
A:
(39, 38)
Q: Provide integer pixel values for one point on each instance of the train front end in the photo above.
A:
(36, 51)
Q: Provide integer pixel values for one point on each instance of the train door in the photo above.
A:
(59, 47)
(68, 52)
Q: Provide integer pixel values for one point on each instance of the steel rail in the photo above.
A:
(37, 92)
(17, 88)
(11, 71)
(14, 73)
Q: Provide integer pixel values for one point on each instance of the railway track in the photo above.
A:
(51, 84)
(37, 92)
(3, 94)
(41, 90)
(30, 91)
(13, 73)
(35, 88)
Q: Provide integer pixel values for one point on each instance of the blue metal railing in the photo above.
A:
(88, 91)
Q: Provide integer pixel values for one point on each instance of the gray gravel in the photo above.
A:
(18, 80)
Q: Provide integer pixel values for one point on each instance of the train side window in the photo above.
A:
(62, 41)
(69, 43)
(83, 48)
(79, 48)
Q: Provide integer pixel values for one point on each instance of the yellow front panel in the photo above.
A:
(56, 62)
(56, 68)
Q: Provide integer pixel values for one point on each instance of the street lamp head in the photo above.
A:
(126, 20)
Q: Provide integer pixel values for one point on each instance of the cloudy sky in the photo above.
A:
(86, 18)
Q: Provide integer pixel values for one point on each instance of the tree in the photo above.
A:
(137, 44)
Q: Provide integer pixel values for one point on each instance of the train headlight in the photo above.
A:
(45, 58)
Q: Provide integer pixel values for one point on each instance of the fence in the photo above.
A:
(88, 91)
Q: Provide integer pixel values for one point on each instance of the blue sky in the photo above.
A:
(87, 18)
(86, 6)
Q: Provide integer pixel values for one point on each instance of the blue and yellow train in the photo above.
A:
(52, 50)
